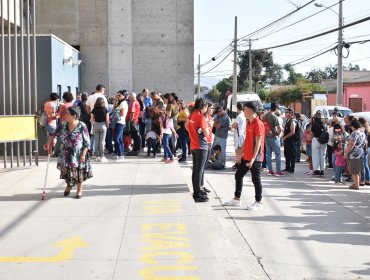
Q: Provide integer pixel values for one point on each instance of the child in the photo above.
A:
(218, 162)
(339, 161)
(167, 131)
(152, 138)
(307, 138)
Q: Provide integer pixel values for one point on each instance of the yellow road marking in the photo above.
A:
(68, 248)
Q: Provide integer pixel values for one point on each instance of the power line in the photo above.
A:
(319, 35)
(217, 64)
(255, 32)
(276, 21)
(299, 21)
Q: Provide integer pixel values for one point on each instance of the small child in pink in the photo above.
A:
(339, 161)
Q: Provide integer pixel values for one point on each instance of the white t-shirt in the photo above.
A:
(240, 137)
(92, 99)
(123, 106)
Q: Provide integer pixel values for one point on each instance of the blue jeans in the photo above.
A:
(222, 142)
(273, 145)
(166, 146)
(338, 173)
(365, 175)
(184, 143)
(118, 140)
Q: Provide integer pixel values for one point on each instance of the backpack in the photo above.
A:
(42, 118)
(297, 130)
(115, 117)
(324, 137)
(268, 130)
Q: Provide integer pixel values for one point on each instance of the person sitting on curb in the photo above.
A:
(218, 162)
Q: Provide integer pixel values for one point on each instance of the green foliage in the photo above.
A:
(291, 93)
(224, 85)
(264, 94)
(316, 75)
(214, 94)
(293, 77)
(264, 69)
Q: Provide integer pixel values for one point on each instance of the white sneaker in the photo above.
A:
(120, 159)
(103, 159)
(255, 206)
(233, 202)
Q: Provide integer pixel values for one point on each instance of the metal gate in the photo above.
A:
(18, 84)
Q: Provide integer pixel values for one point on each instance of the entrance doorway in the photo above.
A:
(355, 104)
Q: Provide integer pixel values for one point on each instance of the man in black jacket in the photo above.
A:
(289, 141)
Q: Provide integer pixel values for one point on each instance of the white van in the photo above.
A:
(244, 98)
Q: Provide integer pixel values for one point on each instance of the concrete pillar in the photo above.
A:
(127, 44)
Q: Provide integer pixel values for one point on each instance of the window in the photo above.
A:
(76, 89)
(69, 89)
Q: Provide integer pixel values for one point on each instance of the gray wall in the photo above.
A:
(128, 44)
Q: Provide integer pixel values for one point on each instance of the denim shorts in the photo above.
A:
(309, 150)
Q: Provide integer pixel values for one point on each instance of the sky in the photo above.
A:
(214, 30)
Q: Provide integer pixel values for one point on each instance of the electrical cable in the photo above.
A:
(217, 64)
(294, 23)
(276, 21)
(255, 32)
(320, 34)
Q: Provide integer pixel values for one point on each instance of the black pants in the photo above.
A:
(206, 162)
(329, 155)
(256, 178)
(152, 146)
(135, 135)
(199, 160)
(142, 126)
(289, 154)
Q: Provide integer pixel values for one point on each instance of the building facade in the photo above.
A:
(128, 44)
(356, 90)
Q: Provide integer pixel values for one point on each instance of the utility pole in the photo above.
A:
(250, 65)
(340, 57)
(198, 93)
(235, 74)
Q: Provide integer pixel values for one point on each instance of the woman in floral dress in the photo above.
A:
(73, 160)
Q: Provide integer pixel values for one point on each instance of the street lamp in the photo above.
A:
(340, 50)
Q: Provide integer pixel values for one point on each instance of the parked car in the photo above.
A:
(365, 115)
(329, 110)
(282, 108)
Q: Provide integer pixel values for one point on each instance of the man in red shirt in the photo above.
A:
(198, 132)
(132, 120)
(252, 158)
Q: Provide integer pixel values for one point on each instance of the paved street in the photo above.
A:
(137, 220)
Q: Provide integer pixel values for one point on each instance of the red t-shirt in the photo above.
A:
(134, 108)
(254, 128)
(197, 122)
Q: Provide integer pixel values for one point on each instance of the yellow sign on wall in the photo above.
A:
(17, 128)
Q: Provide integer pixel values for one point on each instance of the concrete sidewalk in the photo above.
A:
(136, 220)
(310, 228)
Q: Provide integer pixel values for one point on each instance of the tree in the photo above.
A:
(261, 60)
(316, 75)
(293, 76)
(214, 94)
(224, 86)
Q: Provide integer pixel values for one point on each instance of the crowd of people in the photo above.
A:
(90, 126)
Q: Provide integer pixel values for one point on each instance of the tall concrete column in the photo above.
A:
(120, 45)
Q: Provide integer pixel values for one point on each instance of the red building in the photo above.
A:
(356, 90)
